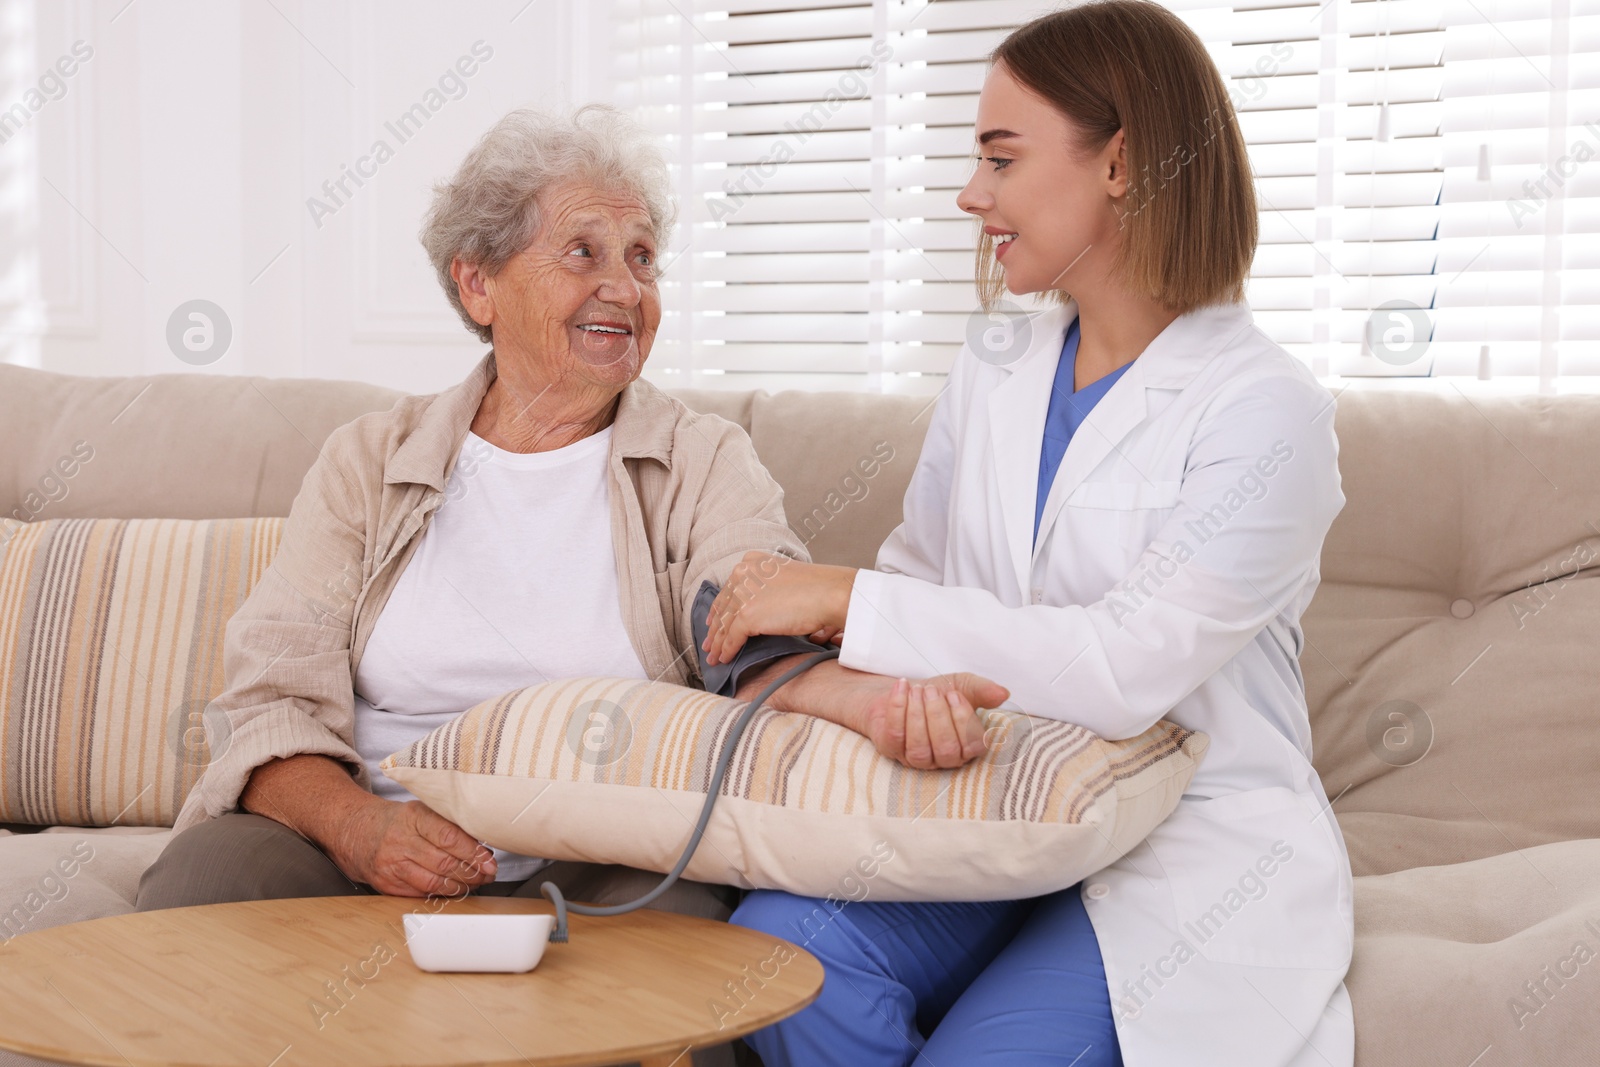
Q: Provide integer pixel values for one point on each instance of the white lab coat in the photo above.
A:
(1178, 549)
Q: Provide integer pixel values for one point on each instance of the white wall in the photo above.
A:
(177, 161)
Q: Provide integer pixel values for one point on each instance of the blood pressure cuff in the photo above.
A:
(723, 679)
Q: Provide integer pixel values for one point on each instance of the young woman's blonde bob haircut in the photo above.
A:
(1189, 224)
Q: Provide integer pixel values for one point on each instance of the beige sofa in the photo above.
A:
(1452, 658)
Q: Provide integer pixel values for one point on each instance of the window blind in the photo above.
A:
(1421, 167)
(1520, 210)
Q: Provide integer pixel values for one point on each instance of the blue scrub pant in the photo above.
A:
(1001, 984)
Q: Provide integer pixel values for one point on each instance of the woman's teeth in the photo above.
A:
(1007, 238)
(591, 328)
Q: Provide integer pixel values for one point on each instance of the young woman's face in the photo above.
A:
(1053, 205)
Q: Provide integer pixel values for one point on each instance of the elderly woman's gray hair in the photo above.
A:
(489, 211)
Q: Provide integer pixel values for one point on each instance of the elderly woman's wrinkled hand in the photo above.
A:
(928, 724)
(406, 849)
(931, 725)
(771, 594)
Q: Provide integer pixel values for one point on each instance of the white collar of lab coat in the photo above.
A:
(1018, 407)
(1169, 362)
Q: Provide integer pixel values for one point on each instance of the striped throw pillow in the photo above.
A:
(110, 650)
(615, 771)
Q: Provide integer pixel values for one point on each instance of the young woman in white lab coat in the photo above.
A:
(1158, 571)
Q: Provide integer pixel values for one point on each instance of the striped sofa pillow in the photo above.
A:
(110, 650)
(615, 771)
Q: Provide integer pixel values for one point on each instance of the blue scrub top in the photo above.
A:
(1067, 411)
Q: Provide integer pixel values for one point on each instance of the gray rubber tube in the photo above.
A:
(553, 892)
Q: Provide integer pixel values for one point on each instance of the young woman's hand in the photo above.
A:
(769, 594)
(828, 635)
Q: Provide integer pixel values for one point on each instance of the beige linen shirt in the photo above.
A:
(688, 499)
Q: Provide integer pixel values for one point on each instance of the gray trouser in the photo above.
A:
(241, 856)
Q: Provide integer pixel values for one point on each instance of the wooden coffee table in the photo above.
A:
(329, 981)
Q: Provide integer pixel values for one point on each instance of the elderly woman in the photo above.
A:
(551, 516)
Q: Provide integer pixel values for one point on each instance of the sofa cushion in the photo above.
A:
(1494, 961)
(1450, 654)
(110, 651)
(223, 445)
(616, 771)
(67, 875)
(844, 461)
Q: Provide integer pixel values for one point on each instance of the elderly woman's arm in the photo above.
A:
(738, 509)
(289, 700)
(402, 849)
(927, 724)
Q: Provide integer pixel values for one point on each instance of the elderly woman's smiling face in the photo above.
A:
(581, 302)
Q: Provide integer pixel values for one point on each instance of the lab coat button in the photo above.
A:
(1099, 891)
(1462, 609)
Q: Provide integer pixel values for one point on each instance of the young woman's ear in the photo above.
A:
(1114, 158)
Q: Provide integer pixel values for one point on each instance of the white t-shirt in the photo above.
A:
(514, 583)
